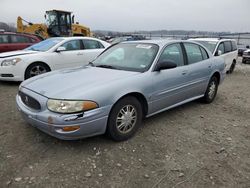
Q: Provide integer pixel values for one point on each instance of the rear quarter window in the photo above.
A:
(204, 53)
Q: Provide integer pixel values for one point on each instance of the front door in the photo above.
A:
(71, 57)
(169, 85)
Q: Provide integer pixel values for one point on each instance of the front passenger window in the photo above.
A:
(173, 53)
(221, 48)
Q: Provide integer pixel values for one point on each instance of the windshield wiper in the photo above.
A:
(106, 66)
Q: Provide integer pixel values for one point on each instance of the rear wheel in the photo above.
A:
(36, 69)
(124, 119)
(232, 67)
(211, 91)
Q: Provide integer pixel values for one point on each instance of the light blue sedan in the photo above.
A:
(126, 83)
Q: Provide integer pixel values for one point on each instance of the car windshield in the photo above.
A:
(44, 45)
(128, 56)
(210, 45)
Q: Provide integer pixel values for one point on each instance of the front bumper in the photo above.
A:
(11, 73)
(246, 59)
(91, 123)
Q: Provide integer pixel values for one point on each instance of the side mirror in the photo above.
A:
(247, 46)
(162, 65)
(73, 19)
(60, 49)
(218, 53)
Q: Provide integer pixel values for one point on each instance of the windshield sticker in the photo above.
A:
(142, 66)
(144, 46)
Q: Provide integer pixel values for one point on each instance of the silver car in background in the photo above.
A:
(127, 82)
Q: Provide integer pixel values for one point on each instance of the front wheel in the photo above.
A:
(124, 119)
(36, 69)
(211, 91)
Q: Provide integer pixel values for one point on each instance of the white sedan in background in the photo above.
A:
(48, 55)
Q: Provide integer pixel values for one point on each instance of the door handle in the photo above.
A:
(184, 72)
(209, 66)
(79, 54)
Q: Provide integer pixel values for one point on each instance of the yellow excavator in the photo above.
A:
(58, 23)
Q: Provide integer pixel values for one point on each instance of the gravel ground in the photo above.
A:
(195, 145)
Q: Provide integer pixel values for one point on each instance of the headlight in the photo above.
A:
(9, 62)
(67, 106)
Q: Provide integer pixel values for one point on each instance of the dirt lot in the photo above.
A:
(195, 145)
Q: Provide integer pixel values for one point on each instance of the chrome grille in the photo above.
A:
(29, 101)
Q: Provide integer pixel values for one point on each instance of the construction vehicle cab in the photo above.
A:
(59, 23)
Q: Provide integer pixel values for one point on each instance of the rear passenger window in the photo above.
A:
(228, 47)
(4, 39)
(194, 54)
(173, 53)
(19, 39)
(234, 46)
(92, 44)
(204, 53)
(72, 45)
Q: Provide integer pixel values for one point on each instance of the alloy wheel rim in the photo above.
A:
(37, 70)
(126, 119)
(212, 90)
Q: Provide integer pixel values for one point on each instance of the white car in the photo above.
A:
(48, 55)
(226, 48)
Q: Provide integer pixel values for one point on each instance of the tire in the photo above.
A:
(36, 69)
(211, 90)
(121, 124)
(232, 67)
(243, 61)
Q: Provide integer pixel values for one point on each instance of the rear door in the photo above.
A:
(4, 43)
(92, 48)
(19, 42)
(199, 69)
(170, 85)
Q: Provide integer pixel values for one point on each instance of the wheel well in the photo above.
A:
(34, 63)
(78, 34)
(217, 75)
(141, 98)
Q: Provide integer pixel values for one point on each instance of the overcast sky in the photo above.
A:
(135, 15)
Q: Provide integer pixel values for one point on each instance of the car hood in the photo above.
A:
(16, 53)
(70, 83)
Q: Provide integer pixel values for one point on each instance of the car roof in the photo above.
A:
(16, 33)
(210, 39)
(159, 42)
(69, 38)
